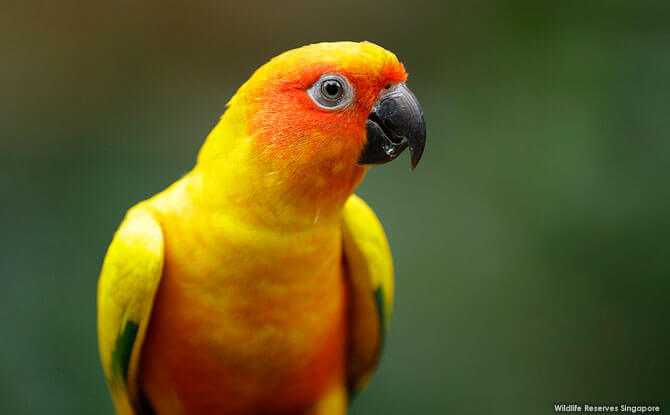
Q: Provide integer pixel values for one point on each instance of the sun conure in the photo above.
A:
(258, 283)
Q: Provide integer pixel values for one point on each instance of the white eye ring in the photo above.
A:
(331, 92)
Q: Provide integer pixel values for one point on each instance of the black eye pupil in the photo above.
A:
(332, 88)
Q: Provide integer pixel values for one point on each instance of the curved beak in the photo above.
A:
(396, 122)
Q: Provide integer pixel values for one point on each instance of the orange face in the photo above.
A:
(292, 115)
(304, 127)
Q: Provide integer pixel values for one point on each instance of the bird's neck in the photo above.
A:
(233, 173)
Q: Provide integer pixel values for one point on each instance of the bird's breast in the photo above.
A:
(245, 317)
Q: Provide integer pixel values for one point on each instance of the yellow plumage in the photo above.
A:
(257, 283)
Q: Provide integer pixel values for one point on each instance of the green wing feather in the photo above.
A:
(128, 282)
(367, 258)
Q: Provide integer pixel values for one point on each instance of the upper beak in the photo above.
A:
(395, 122)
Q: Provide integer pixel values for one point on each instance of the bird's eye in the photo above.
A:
(331, 89)
(331, 92)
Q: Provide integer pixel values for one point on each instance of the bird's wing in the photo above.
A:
(126, 289)
(367, 258)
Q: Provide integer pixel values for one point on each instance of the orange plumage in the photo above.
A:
(261, 307)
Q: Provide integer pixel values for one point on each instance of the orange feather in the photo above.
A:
(251, 313)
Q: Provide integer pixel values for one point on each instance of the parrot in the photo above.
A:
(259, 283)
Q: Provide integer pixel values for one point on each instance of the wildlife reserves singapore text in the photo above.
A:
(633, 409)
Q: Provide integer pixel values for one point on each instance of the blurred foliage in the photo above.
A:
(531, 244)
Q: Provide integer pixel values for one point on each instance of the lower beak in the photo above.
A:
(396, 122)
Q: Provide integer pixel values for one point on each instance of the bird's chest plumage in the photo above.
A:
(246, 319)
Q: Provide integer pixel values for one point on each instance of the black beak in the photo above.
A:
(395, 122)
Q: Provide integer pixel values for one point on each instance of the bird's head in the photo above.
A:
(320, 114)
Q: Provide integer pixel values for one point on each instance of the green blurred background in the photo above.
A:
(531, 244)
